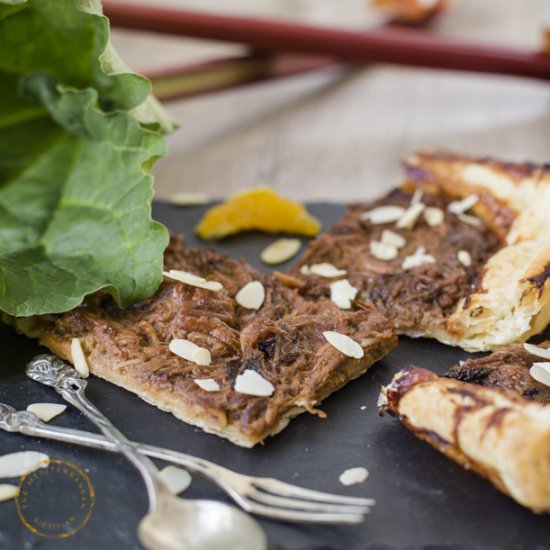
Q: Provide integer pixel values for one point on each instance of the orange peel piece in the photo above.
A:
(259, 208)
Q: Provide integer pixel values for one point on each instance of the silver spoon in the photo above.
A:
(171, 523)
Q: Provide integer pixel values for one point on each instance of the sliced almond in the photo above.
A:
(178, 274)
(434, 216)
(383, 214)
(326, 270)
(417, 196)
(201, 356)
(541, 372)
(18, 464)
(464, 258)
(189, 199)
(190, 351)
(79, 359)
(343, 343)
(8, 492)
(537, 350)
(410, 216)
(192, 280)
(461, 206)
(418, 258)
(280, 251)
(342, 293)
(252, 383)
(391, 238)
(207, 384)
(471, 220)
(46, 411)
(251, 295)
(175, 479)
(366, 342)
(353, 476)
(420, 251)
(384, 252)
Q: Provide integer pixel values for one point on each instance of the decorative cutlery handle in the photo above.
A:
(27, 423)
(52, 371)
(13, 421)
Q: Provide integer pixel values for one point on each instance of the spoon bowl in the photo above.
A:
(178, 524)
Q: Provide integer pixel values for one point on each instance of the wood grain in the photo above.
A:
(340, 135)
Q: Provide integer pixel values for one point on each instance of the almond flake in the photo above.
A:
(464, 258)
(344, 343)
(177, 273)
(8, 492)
(366, 342)
(18, 464)
(541, 372)
(352, 476)
(420, 251)
(79, 359)
(462, 206)
(408, 219)
(537, 350)
(280, 251)
(187, 350)
(46, 411)
(471, 220)
(192, 280)
(207, 384)
(383, 251)
(252, 383)
(326, 270)
(383, 214)
(201, 356)
(175, 479)
(418, 258)
(188, 199)
(434, 216)
(417, 196)
(251, 295)
(342, 293)
(391, 238)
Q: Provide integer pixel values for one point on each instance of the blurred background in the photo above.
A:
(335, 134)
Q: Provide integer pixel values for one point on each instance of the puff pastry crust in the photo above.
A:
(502, 437)
(511, 298)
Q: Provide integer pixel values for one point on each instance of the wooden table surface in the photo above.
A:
(337, 135)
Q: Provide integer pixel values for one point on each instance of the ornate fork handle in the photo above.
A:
(52, 371)
(27, 423)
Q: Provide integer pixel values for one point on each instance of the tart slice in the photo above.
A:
(220, 345)
(459, 253)
(496, 422)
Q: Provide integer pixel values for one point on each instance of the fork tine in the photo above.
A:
(280, 488)
(306, 506)
(304, 517)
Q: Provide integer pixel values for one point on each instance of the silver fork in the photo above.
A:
(259, 495)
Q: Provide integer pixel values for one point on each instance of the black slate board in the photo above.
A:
(423, 499)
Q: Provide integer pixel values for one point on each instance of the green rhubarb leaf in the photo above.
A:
(78, 135)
